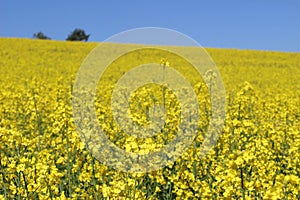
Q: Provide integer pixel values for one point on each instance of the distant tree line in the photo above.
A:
(75, 35)
(41, 35)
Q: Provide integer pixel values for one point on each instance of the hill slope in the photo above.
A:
(267, 71)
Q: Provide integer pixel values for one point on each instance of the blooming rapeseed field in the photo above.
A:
(42, 157)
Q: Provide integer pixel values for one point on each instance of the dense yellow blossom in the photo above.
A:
(42, 156)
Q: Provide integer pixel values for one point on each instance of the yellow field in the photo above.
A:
(42, 156)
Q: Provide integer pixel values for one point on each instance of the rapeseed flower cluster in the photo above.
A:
(42, 156)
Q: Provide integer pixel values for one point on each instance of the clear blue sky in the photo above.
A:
(251, 24)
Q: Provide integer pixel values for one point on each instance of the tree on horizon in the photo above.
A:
(78, 35)
(40, 35)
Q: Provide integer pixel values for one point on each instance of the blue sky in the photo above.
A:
(252, 24)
